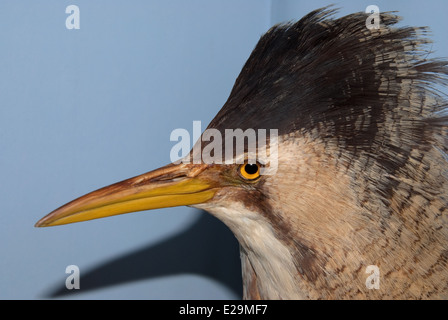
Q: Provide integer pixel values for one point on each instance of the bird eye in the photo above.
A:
(250, 171)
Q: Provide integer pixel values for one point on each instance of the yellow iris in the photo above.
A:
(250, 171)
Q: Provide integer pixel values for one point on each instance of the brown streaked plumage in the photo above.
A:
(362, 174)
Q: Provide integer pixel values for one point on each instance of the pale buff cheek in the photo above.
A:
(304, 198)
(314, 195)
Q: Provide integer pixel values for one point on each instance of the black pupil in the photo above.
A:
(251, 168)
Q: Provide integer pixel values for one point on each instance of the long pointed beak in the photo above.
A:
(169, 186)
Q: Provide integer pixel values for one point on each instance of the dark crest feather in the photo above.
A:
(336, 78)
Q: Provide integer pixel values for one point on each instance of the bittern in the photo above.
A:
(362, 165)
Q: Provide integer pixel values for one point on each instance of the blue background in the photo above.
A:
(81, 109)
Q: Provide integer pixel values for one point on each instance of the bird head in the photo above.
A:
(355, 175)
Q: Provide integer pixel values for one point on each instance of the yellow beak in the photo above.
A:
(169, 186)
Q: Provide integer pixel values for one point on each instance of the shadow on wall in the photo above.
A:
(206, 248)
